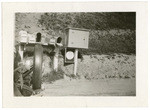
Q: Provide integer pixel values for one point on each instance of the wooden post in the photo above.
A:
(21, 52)
(75, 61)
(55, 60)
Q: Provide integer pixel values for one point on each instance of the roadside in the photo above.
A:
(83, 87)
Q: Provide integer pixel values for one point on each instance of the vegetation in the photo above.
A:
(109, 32)
(93, 21)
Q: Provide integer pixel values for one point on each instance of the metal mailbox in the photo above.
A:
(23, 36)
(77, 38)
(31, 38)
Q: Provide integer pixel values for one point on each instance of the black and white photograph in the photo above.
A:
(75, 54)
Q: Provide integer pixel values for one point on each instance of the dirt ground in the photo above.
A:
(98, 75)
(83, 87)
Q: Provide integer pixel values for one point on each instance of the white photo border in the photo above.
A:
(8, 26)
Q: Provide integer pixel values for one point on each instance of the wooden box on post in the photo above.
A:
(76, 38)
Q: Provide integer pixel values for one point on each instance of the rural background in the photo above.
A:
(108, 66)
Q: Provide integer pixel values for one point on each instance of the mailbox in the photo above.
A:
(31, 38)
(23, 36)
(76, 38)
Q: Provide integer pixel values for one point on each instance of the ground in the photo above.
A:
(100, 87)
(98, 75)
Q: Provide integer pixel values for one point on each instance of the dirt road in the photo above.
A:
(83, 87)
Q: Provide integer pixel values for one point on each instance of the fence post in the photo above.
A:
(75, 61)
(21, 52)
(55, 60)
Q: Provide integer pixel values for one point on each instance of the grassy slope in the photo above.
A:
(102, 41)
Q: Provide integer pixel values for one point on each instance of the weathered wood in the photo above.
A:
(21, 52)
(75, 61)
(55, 60)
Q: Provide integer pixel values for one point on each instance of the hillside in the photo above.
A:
(109, 32)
